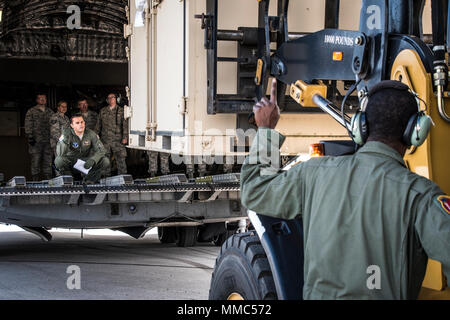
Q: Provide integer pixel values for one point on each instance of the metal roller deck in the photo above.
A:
(120, 202)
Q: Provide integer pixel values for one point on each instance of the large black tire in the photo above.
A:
(220, 239)
(242, 270)
(187, 236)
(167, 234)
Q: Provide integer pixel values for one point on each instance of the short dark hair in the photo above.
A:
(76, 115)
(61, 102)
(388, 112)
(81, 99)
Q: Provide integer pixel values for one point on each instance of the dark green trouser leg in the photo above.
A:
(64, 166)
(97, 171)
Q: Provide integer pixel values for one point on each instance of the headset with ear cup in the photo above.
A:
(416, 130)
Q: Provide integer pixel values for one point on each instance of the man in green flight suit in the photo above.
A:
(360, 213)
(79, 143)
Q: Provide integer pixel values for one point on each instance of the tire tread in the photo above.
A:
(249, 247)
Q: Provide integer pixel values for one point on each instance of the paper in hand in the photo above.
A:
(80, 167)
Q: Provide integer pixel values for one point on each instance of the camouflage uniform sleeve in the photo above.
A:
(55, 131)
(98, 127)
(98, 150)
(66, 124)
(93, 120)
(264, 188)
(29, 124)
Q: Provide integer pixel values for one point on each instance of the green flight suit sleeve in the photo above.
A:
(264, 188)
(433, 228)
(62, 146)
(98, 151)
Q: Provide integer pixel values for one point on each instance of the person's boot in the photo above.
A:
(190, 171)
(228, 168)
(202, 170)
(165, 166)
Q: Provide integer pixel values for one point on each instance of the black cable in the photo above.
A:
(349, 92)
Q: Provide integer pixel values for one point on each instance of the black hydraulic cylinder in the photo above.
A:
(400, 16)
(438, 12)
(448, 26)
(332, 14)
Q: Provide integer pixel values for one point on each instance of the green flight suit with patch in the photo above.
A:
(70, 148)
(358, 212)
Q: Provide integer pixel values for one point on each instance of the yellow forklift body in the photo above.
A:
(431, 159)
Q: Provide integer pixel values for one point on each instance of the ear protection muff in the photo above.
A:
(359, 129)
(416, 130)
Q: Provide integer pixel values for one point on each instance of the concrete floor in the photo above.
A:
(111, 267)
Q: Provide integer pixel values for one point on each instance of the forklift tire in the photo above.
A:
(186, 236)
(242, 271)
(167, 234)
(220, 239)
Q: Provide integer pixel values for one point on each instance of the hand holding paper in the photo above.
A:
(80, 166)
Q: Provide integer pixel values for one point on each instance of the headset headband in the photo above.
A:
(392, 84)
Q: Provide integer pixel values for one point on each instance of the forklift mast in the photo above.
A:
(386, 28)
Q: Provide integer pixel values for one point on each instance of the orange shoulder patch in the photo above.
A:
(444, 202)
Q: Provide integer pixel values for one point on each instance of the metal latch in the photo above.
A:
(183, 105)
(207, 25)
(128, 112)
(127, 52)
(127, 30)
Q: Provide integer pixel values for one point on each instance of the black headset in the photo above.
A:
(416, 130)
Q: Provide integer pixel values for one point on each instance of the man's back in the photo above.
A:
(365, 220)
(367, 206)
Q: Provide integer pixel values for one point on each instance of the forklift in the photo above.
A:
(267, 261)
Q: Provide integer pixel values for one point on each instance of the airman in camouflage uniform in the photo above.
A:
(153, 163)
(37, 129)
(113, 130)
(79, 143)
(58, 122)
(90, 117)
